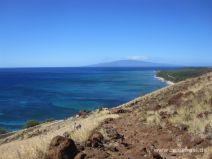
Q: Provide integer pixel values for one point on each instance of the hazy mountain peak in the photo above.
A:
(129, 63)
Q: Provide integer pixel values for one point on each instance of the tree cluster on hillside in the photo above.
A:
(182, 74)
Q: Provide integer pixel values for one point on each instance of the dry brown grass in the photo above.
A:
(36, 147)
(88, 125)
(193, 101)
(189, 117)
(207, 154)
(189, 112)
(153, 117)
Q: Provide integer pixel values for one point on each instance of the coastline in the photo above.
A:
(100, 120)
(59, 95)
(169, 83)
(76, 116)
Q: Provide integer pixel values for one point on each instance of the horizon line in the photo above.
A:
(31, 67)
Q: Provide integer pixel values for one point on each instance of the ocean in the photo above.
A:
(43, 93)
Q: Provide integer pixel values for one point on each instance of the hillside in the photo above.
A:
(174, 122)
(129, 63)
(181, 74)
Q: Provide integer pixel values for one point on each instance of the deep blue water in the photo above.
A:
(42, 93)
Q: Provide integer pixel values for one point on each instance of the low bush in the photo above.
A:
(2, 131)
(31, 123)
(49, 120)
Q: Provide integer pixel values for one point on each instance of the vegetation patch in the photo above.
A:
(31, 123)
(2, 131)
(182, 74)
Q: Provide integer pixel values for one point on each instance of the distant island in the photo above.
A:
(130, 63)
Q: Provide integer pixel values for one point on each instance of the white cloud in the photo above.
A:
(137, 57)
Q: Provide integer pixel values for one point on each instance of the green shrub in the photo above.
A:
(31, 123)
(2, 131)
(49, 120)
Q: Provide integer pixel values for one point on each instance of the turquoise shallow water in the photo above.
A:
(42, 93)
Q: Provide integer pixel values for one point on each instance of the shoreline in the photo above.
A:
(169, 83)
(101, 120)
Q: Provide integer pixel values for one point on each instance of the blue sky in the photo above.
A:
(80, 32)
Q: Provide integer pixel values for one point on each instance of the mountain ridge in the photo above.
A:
(130, 63)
